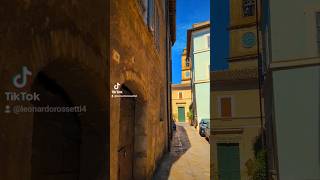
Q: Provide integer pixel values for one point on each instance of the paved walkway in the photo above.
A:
(189, 158)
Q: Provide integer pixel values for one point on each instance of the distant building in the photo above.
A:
(186, 65)
(198, 51)
(181, 101)
(181, 93)
(235, 100)
(291, 65)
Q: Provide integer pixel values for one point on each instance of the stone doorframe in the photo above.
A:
(138, 86)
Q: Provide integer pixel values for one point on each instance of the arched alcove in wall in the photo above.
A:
(132, 151)
(69, 145)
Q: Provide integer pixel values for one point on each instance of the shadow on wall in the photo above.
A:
(179, 146)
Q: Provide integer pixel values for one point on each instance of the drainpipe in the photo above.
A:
(168, 77)
(259, 71)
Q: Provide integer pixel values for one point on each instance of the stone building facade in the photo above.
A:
(142, 33)
(236, 112)
(61, 48)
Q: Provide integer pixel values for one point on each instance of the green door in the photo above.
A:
(181, 114)
(229, 161)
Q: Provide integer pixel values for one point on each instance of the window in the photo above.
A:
(153, 21)
(225, 107)
(188, 62)
(157, 30)
(143, 6)
(188, 74)
(208, 41)
(318, 30)
(150, 18)
(248, 7)
(180, 95)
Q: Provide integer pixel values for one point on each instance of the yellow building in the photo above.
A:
(185, 68)
(181, 93)
(235, 99)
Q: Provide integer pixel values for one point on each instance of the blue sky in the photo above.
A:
(188, 13)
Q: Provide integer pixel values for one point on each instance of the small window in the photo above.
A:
(180, 95)
(157, 30)
(318, 29)
(225, 107)
(248, 8)
(208, 41)
(188, 74)
(143, 7)
(188, 62)
(150, 14)
(154, 22)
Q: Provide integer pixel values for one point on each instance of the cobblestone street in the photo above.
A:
(189, 158)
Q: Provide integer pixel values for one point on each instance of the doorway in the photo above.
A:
(56, 136)
(69, 145)
(181, 114)
(127, 134)
(229, 161)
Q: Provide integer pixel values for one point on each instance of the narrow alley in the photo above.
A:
(189, 157)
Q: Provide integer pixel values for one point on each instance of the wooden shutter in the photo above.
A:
(226, 107)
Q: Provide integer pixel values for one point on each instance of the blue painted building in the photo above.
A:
(198, 50)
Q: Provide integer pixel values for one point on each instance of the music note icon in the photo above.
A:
(20, 80)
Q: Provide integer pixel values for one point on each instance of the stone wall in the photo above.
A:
(136, 64)
(66, 40)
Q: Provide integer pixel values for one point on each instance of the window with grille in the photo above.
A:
(248, 8)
